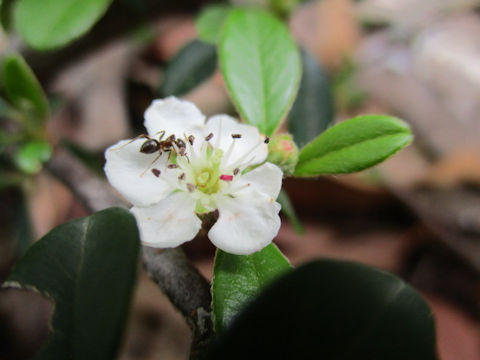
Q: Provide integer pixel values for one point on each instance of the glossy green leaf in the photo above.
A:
(261, 67)
(88, 268)
(238, 278)
(209, 23)
(313, 109)
(23, 89)
(333, 310)
(289, 211)
(48, 24)
(353, 145)
(31, 156)
(195, 63)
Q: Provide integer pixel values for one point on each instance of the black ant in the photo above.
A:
(151, 146)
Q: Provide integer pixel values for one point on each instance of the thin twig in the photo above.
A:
(187, 289)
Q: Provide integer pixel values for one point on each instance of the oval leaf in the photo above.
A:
(88, 268)
(313, 109)
(333, 310)
(48, 24)
(193, 64)
(209, 23)
(261, 67)
(353, 145)
(238, 278)
(23, 89)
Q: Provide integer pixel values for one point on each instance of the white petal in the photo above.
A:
(246, 224)
(250, 146)
(129, 171)
(169, 223)
(174, 116)
(266, 179)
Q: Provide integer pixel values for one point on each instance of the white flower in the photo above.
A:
(204, 169)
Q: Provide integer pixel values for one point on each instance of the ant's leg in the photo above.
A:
(150, 165)
(162, 132)
(135, 138)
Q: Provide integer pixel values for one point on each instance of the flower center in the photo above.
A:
(206, 181)
(207, 177)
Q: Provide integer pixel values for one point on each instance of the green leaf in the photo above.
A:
(289, 211)
(88, 268)
(333, 310)
(48, 24)
(238, 278)
(32, 155)
(194, 63)
(6, 13)
(23, 89)
(353, 145)
(210, 21)
(313, 109)
(261, 67)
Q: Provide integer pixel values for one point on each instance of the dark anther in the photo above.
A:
(156, 172)
(182, 176)
(190, 187)
(209, 136)
(191, 138)
(173, 166)
(236, 136)
(236, 171)
(267, 140)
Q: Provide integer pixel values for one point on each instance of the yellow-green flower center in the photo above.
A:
(207, 178)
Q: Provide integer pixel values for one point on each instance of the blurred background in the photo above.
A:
(417, 215)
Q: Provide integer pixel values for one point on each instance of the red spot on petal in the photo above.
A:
(226, 177)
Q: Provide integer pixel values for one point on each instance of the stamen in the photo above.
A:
(209, 136)
(182, 176)
(156, 172)
(190, 187)
(226, 177)
(238, 188)
(236, 171)
(240, 160)
(236, 136)
(172, 166)
(191, 139)
(267, 140)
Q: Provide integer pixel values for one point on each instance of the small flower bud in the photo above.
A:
(283, 152)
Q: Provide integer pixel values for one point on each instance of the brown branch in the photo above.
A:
(187, 289)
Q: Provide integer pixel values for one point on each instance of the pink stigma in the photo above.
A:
(226, 177)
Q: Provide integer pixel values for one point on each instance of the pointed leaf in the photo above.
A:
(237, 279)
(88, 268)
(48, 24)
(289, 211)
(333, 310)
(23, 89)
(353, 145)
(210, 21)
(194, 63)
(313, 109)
(261, 67)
